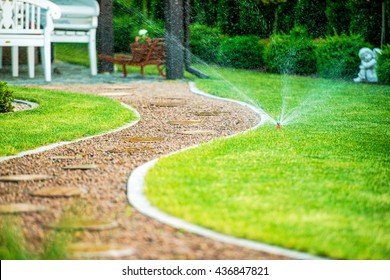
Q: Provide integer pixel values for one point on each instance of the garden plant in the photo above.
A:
(6, 98)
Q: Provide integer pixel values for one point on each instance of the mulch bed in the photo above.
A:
(97, 195)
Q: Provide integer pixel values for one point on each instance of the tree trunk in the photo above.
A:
(105, 35)
(174, 39)
(383, 31)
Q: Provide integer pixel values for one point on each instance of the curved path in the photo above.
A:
(103, 196)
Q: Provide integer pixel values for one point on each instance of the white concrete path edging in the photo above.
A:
(32, 105)
(137, 198)
(59, 144)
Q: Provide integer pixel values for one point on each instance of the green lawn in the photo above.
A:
(72, 53)
(60, 117)
(319, 185)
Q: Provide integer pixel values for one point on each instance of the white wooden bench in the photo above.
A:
(78, 23)
(28, 23)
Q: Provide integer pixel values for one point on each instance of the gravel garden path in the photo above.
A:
(86, 191)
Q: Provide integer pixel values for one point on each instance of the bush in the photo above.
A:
(337, 56)
(123, 29)
(383, 66)
(130, 17)
(204, 42)
(291, 54)
(126, 29)
(5, 98)
(244, 52)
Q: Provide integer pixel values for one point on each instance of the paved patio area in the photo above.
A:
(65, 73)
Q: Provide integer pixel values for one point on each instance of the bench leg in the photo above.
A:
(92, 52)
(142, 71)
(124, 70)
(15, 61)
(31, 61)
(46, 60)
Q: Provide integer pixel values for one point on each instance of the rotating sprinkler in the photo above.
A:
(278, 125)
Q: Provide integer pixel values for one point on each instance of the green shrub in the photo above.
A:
(205, 41)
(337, 56)
(126, 29)
(123, 29)
(5, 98)
(291, 54)
(244, 52)
(383, 66)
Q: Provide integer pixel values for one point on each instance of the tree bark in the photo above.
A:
(105, 35)
(174, 39)
(383, 31)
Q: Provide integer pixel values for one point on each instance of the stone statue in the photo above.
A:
(367, 71)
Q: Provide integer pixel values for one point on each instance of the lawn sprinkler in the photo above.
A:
(278, 125)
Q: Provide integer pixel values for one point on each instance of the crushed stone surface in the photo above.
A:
(103, 189)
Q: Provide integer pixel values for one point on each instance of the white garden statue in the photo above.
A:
(367, 71)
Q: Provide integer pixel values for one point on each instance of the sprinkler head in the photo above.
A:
(278, 125)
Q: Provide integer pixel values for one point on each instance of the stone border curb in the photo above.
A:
(63, 143)
(137, 198)
(32, 105)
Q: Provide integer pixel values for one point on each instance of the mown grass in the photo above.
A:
(72, 53)
(319, 185)
(60, 116)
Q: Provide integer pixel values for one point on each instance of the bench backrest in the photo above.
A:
(148, 51)
(27, 16)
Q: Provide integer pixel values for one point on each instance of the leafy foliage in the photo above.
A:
(291, 54)
(337, 56)
(311, 15)
(244, 52)
(383, 66)
(5, 98)
(204, 42)
(321, 18)
(284, 17)
(338, 24)
(365, 19)
(130, 17)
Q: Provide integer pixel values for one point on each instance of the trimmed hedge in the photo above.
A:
(338, 56)
(291, 54)
(5, 98)
(245, 52)
(383, 66)
(205, 42)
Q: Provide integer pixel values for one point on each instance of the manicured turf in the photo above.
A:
(72, 53)
(319, 185)
(60, 117)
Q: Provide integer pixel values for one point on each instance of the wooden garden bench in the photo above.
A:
(142, 54)
(28, 23)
